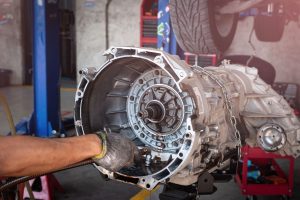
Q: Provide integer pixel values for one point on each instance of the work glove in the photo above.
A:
(117, 152)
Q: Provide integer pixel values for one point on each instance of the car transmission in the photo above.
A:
(185, 120)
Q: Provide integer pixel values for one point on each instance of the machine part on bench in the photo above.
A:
(185, 120)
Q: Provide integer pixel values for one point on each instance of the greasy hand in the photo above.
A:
(121, 152)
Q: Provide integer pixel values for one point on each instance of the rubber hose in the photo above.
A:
(8, 114)
(27, 178)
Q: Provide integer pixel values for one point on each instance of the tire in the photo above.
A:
(195, 25)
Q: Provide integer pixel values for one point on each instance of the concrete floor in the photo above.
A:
(85, 182)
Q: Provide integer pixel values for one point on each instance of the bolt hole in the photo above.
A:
(143, 180)
(180, 154)
(147, 185)
(156, 72)
(80, 71)
(141, 81)
(136, 127)
(187, 135)
(131, 98)
(205, 180)
(142, 135)
(79, 94)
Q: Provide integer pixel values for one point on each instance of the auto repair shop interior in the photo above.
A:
(185, 99)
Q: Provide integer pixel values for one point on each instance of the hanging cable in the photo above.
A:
(19, 180)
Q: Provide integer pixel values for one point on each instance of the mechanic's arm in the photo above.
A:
(26, 155)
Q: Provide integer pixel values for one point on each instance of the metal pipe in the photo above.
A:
(107, 23)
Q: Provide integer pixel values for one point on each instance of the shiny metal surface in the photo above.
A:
(184, 119)
(271, 137)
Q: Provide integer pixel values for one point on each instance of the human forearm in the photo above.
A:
(22, 155)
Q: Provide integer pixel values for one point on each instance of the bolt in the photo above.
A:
(78, 123)
(158, 60)
(175, 144)
(225, 62)
(206, 160)
(160, 138)
(148, 160)
(160, 145)
(114, 50)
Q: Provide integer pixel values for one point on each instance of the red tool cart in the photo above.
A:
(277, 184)
(148, 33)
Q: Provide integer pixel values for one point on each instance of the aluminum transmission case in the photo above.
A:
(185, 120)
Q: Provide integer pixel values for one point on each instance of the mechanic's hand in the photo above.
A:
(117, 152)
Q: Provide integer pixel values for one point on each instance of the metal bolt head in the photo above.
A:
(225, 62)
(181, 74)
(113, 50)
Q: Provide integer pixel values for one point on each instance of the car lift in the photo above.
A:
(46, 85)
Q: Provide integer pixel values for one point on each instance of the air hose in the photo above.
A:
(22, 179)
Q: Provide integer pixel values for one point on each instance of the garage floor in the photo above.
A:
(86, 182)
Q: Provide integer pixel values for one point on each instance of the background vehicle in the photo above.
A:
(209, 26)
